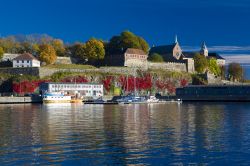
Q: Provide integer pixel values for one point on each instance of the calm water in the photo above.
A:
(163, 134)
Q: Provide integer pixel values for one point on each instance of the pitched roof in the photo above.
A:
(135, 51)
(25, 56)
(215, 55)
(165, 49)
(210, 55)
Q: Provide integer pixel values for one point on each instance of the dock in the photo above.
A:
(19, 100)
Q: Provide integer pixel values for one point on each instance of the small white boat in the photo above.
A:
(152, 99)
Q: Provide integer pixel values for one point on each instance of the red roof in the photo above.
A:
(25, 56)
(135, 51)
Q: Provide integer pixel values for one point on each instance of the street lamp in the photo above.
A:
(20, 84)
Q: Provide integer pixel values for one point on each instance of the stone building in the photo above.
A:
(130, 58)
(26, 60)
(135, 58)
(174, 54)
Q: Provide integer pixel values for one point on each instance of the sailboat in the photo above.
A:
(134, 98)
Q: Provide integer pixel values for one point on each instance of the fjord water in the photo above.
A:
(156, 134)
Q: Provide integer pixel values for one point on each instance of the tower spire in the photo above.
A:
(204, 50)
(176, 39)
(203, 45)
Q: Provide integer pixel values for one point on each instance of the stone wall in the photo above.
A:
(180, 67)
(34, 71)
(116, 70)
(63, 60)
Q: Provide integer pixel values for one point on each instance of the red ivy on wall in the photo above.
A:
(140, 83)
(183, 82)
(107, 83)
(26, 86)
(166, 85)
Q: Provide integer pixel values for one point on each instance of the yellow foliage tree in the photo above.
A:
(59, 47)
(47, 54)
(94, 49)
(1, 52)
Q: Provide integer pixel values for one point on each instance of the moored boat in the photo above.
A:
(56, 98)
(60, 98)
(152, 99)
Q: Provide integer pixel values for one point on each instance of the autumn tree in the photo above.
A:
(93, 49)
(200, 63)
(213, 66)
(235, 72)
(35, 49)
(1, 52)
(156, 58)
(126, 39)
(76, 50)
(26, 47)
(10, 45)
(59, 47)
(47, 54)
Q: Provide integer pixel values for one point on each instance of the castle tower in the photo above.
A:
(177, 52)
(176, 39)
(204, 50)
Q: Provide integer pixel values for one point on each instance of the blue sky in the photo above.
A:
(218, 23)
(222, 23)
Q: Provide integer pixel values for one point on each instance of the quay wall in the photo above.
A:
(9, 100)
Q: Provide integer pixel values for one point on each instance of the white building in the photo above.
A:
(83, 89)
(26, 60)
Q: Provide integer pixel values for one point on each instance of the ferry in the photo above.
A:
(214, 93)
(59, 98)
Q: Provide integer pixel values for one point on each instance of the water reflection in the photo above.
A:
(208, 133)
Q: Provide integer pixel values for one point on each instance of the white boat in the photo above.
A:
(152, 99)
(56, 98)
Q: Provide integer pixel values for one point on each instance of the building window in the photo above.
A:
(22, 61)
(17, 61)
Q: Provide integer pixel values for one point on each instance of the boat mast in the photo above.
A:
(135, 81)
(127, 85)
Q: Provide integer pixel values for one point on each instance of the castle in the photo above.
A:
(174, 54)
(175, 59)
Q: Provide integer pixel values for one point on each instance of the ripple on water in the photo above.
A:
(192, 133)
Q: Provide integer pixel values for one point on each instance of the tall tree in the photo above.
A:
(126, 39)
(94, 50)
(9, 45)
(59, 47)
(77, 51)
(235, 72)
(213, 66)
(1, 52)
(200, 63)
(47, 54)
